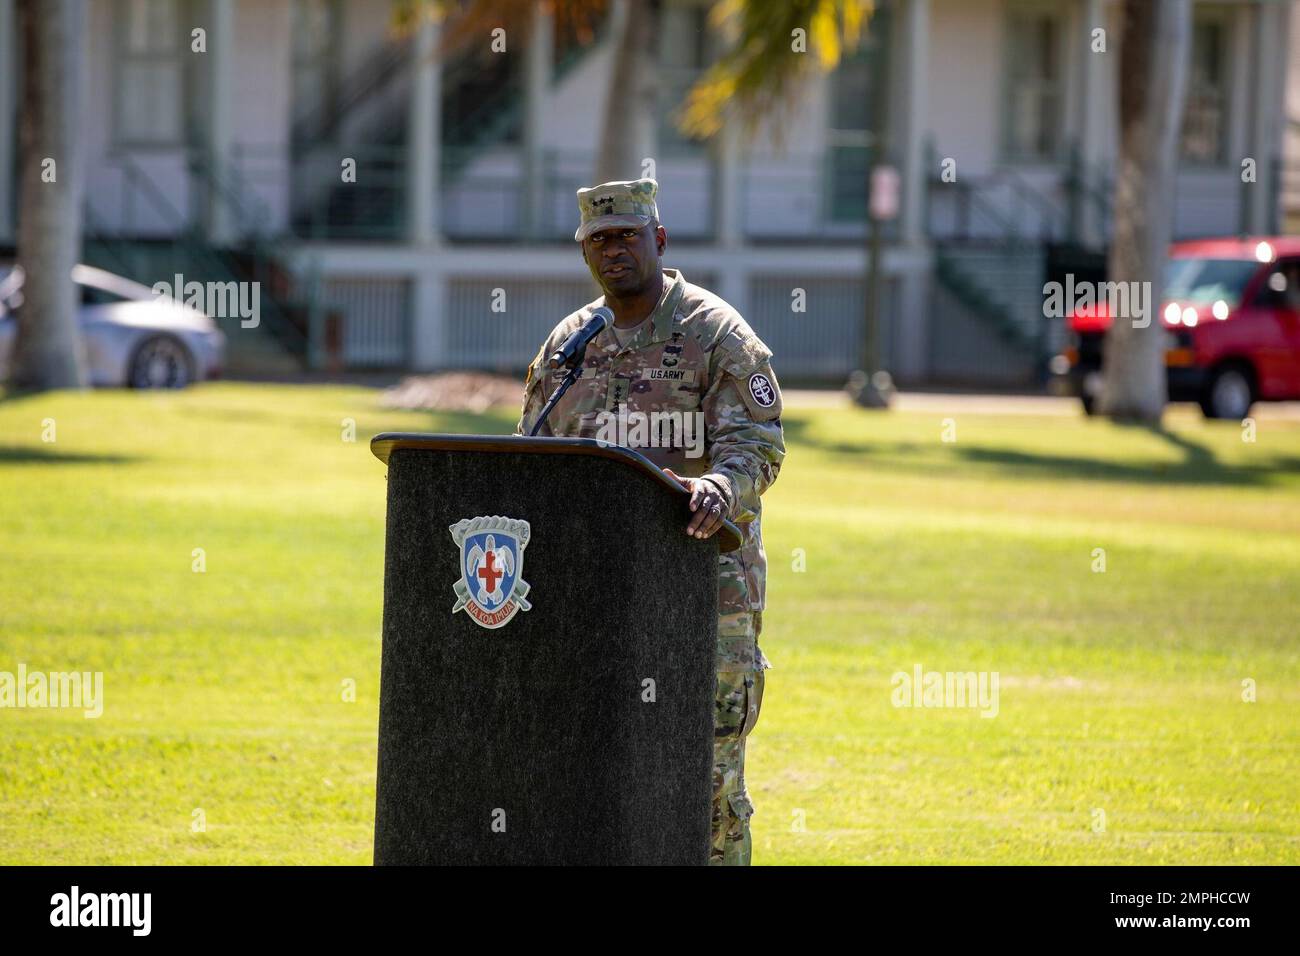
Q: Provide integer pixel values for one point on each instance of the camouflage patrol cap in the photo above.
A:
(624, 203)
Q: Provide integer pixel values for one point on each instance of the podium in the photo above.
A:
(549, 656)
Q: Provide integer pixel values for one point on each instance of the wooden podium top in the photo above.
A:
(385, 443)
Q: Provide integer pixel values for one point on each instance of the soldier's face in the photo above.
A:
(624, 260)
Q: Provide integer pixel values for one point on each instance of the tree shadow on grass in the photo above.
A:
(1198, 466)
(33, 455)
(494, 421)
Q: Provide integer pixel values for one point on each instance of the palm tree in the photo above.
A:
(761, 72)
(760, 76)
(48, 352)
(1153, 57)
(627, 135)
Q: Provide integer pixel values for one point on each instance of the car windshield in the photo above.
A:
(1208, 280)
(110, 287)
(93, 295)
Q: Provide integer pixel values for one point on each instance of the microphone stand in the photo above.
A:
(578, 341)
(575, 371)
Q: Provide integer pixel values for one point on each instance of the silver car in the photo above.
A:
(132, 336)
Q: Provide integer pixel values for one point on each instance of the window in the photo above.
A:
(152, 40)
(1033, 85)
(1202, 281)
(93, 295)
(1282, 290)
(854, 89)
(315, 51)
(1204, 129)
(685, 52)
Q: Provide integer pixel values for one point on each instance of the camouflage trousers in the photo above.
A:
(736, 704)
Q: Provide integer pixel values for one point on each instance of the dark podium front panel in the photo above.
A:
(579, 728)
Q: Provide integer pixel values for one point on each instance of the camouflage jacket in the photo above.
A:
(698, 358)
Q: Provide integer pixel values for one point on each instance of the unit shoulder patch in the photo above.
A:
(762, 390)
(746, 359)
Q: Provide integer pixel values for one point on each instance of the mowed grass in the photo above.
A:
(1121, 734)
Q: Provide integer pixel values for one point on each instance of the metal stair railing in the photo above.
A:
(1088, 189)
(380, 68)
(190, 251)
(481, 109)
(266, 264)
(1002, 240)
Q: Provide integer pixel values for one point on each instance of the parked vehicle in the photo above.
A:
(1231, 315)
(132, 336)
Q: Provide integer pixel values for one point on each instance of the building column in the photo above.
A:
(8, 97)
(1262, 197)
(538, 69)
(1094, 113)
(902, 337)
(728, 166)
(732, 287)
(914, 110)
(424, 134)
(728, 189)
(728, 215)
(728, 193)
(429, 314)
(220, 56)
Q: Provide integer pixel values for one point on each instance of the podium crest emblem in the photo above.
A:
(491, 588)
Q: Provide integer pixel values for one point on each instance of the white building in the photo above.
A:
(230, 162)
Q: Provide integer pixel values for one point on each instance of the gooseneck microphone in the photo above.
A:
(570, 356)
(570, 353)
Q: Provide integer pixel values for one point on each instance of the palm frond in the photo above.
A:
(763, 68)
(469, 22)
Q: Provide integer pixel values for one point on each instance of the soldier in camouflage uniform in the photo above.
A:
(676, 347)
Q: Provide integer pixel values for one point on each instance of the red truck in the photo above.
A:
(1231, 315)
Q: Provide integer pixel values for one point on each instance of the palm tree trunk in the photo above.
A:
(48, 351)
(1153, 67)
(631, 109)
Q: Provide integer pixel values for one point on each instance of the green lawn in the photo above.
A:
(1120, 692)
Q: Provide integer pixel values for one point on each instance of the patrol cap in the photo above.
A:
(622, 203)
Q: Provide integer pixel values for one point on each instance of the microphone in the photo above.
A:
(570, 353)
